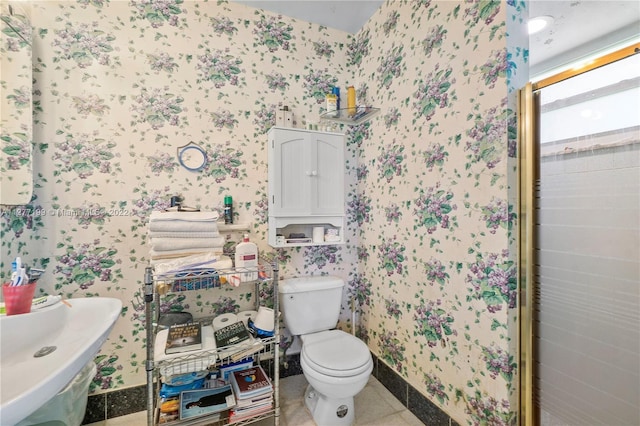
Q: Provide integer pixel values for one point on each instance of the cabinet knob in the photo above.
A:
(311, 173)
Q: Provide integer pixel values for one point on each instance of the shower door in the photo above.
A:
(584, 286)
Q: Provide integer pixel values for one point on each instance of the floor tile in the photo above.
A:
(370, 405)
(135, 419)
(410, 419)
(295, 414)
(375, 406)
(292, 389)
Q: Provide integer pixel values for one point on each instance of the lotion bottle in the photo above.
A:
(247, 258)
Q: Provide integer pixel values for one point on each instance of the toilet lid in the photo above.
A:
(336, 353)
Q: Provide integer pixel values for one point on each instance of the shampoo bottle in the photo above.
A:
(247, 258)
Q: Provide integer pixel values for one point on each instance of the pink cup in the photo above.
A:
(18, 298)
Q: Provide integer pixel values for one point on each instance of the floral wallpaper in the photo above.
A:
(119, 86)
(438, 287)
(16, 183)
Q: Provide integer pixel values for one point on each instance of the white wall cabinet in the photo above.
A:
(306, 185)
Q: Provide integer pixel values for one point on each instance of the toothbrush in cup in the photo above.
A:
(16, 267)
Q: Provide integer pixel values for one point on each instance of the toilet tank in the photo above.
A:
(310, 304)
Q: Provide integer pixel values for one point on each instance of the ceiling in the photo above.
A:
(345, 15)
(581, 27)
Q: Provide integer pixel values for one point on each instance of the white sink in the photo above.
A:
(76, 332)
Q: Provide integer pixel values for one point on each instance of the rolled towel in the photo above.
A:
(160, 234)
(172, 244)
(182, 226)
(158, 216)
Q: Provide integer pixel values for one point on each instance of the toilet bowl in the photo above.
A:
(336, 364)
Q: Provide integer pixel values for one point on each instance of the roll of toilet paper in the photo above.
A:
(318, 234)
(244, 316)
(224, 320)
(264, 319)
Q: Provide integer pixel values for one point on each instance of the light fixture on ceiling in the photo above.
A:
(539, 23)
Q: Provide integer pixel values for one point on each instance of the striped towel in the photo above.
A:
(174, 254)
(182, 226)
(172, 244)
(183, 221)
(157, 216)
(160, 234)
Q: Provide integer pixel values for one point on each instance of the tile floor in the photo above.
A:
(375, 406)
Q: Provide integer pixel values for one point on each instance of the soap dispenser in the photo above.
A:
(247, 258)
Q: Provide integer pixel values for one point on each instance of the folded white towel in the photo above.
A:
(161, 234)
(174, 254)
(182, 226)
(186, 263)
(183, 216)
(172, 244)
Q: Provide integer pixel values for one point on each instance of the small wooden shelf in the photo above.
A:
(349, 116)
(304, 225)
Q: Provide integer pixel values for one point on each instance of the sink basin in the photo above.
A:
(32, 371)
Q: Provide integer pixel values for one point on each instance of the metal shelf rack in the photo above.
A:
(156, 285)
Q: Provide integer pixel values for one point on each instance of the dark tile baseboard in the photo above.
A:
(132, 400)
(116, 403)
(418, 404)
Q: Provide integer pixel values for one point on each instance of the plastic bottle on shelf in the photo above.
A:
(247, 258)
(336, 91)
(351, 100)
(332, 105)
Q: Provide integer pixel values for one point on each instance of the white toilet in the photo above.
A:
(336, 364)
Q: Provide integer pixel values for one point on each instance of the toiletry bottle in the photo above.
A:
(351, 100)
(228, 210)
(247, 258)
(332, 105)
(336, 91)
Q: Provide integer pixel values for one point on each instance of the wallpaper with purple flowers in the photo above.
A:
(430, 253)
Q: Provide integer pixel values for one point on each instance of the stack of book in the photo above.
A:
(253, 393)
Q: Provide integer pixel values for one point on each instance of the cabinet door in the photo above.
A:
(306, 173)
(289, 173)
(327, 174)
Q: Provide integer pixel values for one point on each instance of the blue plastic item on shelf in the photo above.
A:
(167, 391)
(196, 279)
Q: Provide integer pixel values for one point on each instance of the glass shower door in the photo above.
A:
(586, 307)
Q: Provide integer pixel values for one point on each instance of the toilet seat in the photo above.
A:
(336, 353)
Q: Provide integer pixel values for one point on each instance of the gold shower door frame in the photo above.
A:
(528, 173)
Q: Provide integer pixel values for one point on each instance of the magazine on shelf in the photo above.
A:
(250, 383)
(236, 416)
(232, 334)
(184, 338)
(201, 402)
(225, 371)
(258, 401)
(247, 351)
